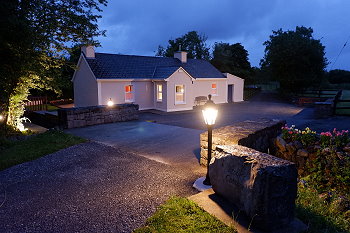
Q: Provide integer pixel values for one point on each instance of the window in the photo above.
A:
(214, 90)
(159, 92)
(179, 94)
(129, 96)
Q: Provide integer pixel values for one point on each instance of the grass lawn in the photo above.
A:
(345, 96)
(318, 215)
(16, 152)
(182, 215)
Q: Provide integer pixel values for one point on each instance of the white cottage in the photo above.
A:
(162, 83)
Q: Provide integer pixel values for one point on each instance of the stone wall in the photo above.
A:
(94, 115)
(261, 185)
(258, 135)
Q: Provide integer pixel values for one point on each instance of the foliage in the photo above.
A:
(306, 136)
(319, 214)
(330, 171)
(16, 152)
(182, 215)
(294, 58)
(231, 58)
(338, 76)
(193, 43)
(35, 36)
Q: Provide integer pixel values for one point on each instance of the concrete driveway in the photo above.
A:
(163, 143)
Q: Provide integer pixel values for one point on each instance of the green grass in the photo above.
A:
(345, 96)
(16, 152)
(182, 215)
(319, 215)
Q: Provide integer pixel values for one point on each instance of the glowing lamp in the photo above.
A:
(210, 112)
(110, 102)
(2, 117)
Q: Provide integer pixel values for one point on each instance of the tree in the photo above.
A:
(294, 58)
(193, 43)
(35, 37)
(338, 76)
(231, 59)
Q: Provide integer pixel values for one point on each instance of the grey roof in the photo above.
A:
(115, 66)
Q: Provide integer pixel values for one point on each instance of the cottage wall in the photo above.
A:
(85, 86)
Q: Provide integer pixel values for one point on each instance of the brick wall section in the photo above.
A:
(258, 135)
(94, 115)
(263, 186)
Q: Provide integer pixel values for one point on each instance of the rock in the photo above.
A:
(261, 185)
(291, 148)
(281, 144)
(303, 153)
(298, 145)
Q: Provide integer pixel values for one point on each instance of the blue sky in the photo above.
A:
(137, 26)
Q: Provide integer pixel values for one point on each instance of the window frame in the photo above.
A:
(130, 92)
(216, 89)
(183, 94)
(159, 92)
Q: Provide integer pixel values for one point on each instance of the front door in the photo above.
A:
(230, 94)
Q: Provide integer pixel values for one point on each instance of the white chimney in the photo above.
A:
(181, 55)
(89, 51)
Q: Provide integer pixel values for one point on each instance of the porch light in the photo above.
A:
(210, 113)
(110, 102)
(2, 117)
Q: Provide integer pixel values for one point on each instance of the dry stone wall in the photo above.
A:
(258, 135)
(94, 115)
(261, 185)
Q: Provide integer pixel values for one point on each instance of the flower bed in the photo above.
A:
(324, 157)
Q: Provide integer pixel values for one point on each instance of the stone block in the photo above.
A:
(261, 185)
(257, 134)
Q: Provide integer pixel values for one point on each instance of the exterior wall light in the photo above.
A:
(210, 113)
(110, 102)
(2, 117)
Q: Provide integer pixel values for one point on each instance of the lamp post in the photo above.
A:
(210, 113)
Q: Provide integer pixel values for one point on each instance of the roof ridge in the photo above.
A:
(131, 55)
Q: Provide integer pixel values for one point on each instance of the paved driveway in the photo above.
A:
(89, 187)
(163, 143)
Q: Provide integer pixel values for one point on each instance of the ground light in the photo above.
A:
(1, 117)
(110, 102)
(210, 113)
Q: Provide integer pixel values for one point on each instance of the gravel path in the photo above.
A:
(89, 187)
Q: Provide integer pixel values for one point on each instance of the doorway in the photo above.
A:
(230, 93)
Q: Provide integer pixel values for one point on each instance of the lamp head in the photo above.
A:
(110, 102)
(210, 112)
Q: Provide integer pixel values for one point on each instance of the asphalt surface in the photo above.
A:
(115, 182)
(89, 187)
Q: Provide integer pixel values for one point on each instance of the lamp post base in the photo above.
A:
(207, 181)
(198, 184)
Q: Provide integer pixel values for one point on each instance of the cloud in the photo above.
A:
(138, 26)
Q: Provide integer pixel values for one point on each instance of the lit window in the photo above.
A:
(180, 94)
(159, 92)
(214, 90)
(129, 97)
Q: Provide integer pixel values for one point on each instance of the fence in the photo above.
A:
(312, 96)
(36, 103)
(341, 105)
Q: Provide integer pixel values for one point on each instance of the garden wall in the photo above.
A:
(94, 115)
(264, 187)
(259, 135)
